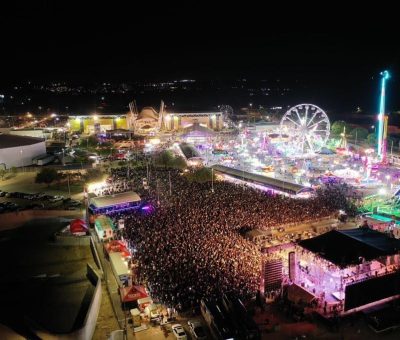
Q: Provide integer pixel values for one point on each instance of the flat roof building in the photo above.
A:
(348, 270)
(19, 151)
(122, 201)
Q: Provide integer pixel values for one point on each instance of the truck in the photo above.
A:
(43, 159)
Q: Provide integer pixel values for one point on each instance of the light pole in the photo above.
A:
(170, 186)
(387, 178)
(22, 160)
(158, 196)
(391, 149)
(212, 179)
(69, 188)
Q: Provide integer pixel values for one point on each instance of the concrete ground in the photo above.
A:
(41, 280)
(106, 321)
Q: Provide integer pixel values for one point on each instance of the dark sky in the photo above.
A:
(328, 46)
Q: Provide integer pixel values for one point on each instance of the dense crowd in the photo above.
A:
(189, 244)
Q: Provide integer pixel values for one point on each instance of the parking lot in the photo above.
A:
(156, 332)
(16, 201)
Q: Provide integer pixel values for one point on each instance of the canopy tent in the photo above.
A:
(117, 246)
(78, 226)
(345, 247)
(112, 200)
(132, 293)
(121, 201)
(146, 300)
(104, 222)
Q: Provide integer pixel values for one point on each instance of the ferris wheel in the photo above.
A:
(227, 112)
(306, 127)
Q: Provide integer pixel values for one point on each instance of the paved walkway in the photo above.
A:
(106, 321)
(112, 289)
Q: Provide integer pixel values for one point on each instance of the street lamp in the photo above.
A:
(212, 179)
(22, 160)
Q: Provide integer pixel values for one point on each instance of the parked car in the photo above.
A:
(197, 330)
(179, 332)
(39, 195)
(56, 199)
(72, 207)
(35, 205)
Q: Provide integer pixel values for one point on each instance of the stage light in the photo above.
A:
(97, 185)
(382, 191)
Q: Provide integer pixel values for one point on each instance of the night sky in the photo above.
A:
(333, 50)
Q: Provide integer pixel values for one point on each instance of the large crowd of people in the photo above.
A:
(189, 244)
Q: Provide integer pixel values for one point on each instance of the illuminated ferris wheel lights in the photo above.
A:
(308, 128)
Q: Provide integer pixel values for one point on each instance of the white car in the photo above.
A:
(179, 332)
(197, 330)
(56, 198)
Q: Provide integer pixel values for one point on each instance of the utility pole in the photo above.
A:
(170, 186)
(69, 188)
(212, 179)
(158, 196)
(391, 149)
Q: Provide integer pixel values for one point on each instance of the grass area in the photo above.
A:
(76, 188)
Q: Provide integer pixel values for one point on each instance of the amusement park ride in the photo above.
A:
(389, 207)
(382, 121)
(307, 126)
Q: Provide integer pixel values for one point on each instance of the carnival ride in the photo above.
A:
(227, 114)
(308, 128)
(382, 120)
(385, 202)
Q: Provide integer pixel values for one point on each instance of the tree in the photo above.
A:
(14, 170)
(91, 142)
(359, 133)
(371, 139)
(164, 159)
(61, 176)
(178, 163)
(338, 127)
(201, 175)
(2, 173)
(93, 175)
(47, 175)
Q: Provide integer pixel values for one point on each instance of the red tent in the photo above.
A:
(132, 293)
(116, 246)
(78, 226)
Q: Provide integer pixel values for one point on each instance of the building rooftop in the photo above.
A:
(111, 200)
(273, 183)
(345, 247)
(12, 141)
